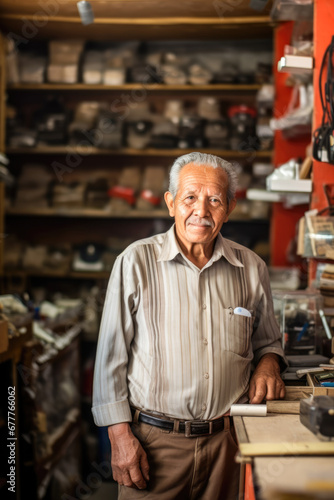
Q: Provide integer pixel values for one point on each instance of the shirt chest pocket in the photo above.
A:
(237, 332)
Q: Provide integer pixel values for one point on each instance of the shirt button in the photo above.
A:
(205, 341)
(206, 375)
(204, 306)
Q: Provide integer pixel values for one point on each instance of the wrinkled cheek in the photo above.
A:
(184, 212)
(183, 208)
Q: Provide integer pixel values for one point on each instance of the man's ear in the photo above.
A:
(170, 203)
(231, 207)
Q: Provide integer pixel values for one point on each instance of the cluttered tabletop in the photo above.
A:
(292, 454)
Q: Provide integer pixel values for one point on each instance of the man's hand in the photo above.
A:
(128, 459)
(266, 382)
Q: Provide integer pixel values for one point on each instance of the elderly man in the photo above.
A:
(187, 314)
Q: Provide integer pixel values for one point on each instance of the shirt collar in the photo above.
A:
(170, 249)
(224, 249)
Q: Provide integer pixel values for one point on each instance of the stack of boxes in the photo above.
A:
(64, 59)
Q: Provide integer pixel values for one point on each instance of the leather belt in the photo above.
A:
(190, 428)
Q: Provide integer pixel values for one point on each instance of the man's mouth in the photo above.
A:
(199, 222)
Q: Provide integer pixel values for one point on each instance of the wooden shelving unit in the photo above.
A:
(85, 217)
(60, 443)
(15, 345)
(156, 87)
(2, 139)
(49, 150)
(10, 377)
(47, 440)
(116, 20)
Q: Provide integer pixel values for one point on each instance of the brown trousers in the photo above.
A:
(194, 468)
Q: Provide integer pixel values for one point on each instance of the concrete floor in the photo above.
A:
(107, 491)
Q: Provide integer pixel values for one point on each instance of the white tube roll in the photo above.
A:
(248, 410)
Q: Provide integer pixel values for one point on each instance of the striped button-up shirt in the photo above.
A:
(171, 339)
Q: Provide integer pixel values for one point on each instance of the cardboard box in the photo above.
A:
(318, 390)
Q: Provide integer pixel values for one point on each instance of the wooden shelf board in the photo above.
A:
(72, 417)
(95, 213)
(119, 32)
(143, 22)
(87, 213)
(286, 448)
(153, 9)
(136, 86)
(131, 20)
(59, 443)
(153, 21)
(57, 274)
(87, 151)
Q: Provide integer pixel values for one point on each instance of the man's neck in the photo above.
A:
(198, 253)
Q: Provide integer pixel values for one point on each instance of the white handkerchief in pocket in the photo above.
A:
(242, 312)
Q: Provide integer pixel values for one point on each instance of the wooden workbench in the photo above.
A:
(281, 457)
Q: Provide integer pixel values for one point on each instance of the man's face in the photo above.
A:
(200, 206)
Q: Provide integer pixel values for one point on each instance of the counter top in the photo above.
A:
(287, 458)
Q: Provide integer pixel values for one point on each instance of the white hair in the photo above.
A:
(201, 159)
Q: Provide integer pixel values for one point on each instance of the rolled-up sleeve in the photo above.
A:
(110, 392)
(266, 336)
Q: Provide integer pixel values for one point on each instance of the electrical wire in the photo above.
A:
(323, 134)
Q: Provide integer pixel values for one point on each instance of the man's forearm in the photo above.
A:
(117, 430)
(271, 358)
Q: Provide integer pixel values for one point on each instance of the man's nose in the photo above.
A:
(201, 208)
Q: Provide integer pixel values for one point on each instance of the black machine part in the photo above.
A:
(317, 414)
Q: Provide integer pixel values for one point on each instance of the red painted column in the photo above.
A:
(323, 173)
(284, 220)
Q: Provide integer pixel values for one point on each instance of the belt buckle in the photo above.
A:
(187, 428)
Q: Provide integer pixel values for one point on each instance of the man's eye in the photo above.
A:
(214, 200)
(190, 197)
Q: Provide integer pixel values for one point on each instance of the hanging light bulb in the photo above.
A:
(86, 12)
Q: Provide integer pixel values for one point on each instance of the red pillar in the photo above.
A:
(284, 220)
(323, 173)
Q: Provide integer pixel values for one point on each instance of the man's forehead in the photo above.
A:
(203, 174)
(209, 189)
